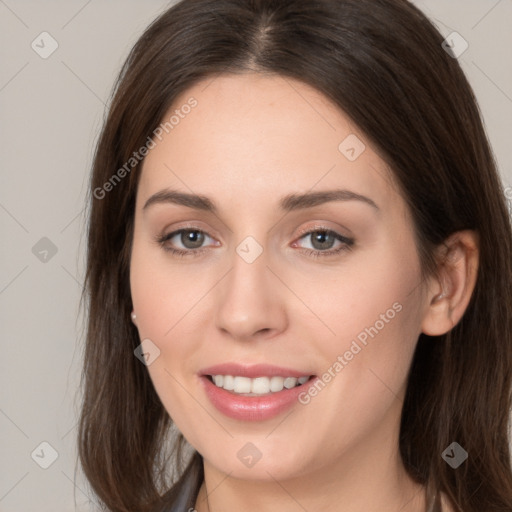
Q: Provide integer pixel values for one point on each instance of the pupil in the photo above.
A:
(192, 239)
(321, 238)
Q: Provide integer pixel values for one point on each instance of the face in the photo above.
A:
(299, 262)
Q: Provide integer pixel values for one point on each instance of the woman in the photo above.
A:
(299, 262)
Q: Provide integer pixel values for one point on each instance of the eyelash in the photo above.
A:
(347, 243)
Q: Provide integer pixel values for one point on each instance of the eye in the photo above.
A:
(323, 241)
(191, 240)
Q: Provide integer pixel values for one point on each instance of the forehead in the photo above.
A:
(249, 136)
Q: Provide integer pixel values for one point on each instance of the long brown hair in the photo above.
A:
(382, 62)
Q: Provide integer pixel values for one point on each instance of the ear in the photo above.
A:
(450, 291)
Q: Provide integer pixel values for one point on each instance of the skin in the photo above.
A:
(251, 140)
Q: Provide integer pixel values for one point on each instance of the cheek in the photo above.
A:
(373, 297)
(374, 315)
(164, 294)
(365, 365)
(167, 299)
(163, 304)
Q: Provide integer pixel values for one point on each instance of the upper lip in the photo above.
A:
(252, 371)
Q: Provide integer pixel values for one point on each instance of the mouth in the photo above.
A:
(254, 392)
(259, 386)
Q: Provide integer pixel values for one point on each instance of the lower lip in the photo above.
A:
(253, 408)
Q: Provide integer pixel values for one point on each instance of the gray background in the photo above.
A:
(51, 112)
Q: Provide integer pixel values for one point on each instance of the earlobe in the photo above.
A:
(450, 292)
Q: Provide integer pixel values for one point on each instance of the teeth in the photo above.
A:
(290, 382)
(242, 385)
(229, 383)
(276, 384)
(260, 385)
(257, 386)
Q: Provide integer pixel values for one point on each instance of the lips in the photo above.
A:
(250, 406)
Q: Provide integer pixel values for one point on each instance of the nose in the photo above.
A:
(251, 301)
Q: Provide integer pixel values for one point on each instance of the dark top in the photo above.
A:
(189, 486)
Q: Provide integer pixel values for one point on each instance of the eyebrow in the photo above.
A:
(288, 203)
